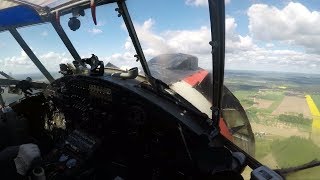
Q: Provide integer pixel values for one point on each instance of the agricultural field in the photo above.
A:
(280, 117)
(293, 104)
(316, 99)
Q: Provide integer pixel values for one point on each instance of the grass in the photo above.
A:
(245, 97)
(252, 115)
(316, 99)
(294, 151)
(296, 120)
(275, 105)
(271, 95)
(263, 147)
(308, 174)
(276, 97)
(244, 94)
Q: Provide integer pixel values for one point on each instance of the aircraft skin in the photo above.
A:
(183, 74)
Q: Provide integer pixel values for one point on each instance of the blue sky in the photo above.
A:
(266, 35)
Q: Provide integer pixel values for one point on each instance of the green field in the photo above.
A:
(263, 147)
(245, 97)
(316, 99)
(271, 95)
(285, 143)
(294, 151)
(308, 174)
(296, 120)
(275, 96)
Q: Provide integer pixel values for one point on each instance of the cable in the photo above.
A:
(184, 142)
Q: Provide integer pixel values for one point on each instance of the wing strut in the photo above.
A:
(6, 75)
(65, 39)
(2, 103)
(123, 11)
(217, 18)
(31, 55)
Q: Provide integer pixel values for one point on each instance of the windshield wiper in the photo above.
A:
(286, 171)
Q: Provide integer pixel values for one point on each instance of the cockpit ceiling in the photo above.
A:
(5, 4)
(19, 13)
(37, 3)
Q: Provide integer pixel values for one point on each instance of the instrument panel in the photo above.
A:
(102, 93)
(114, 126)
(92, 104)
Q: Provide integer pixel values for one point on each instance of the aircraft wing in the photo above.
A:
(9, 82)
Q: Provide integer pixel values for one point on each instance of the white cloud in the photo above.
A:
(243, 53)
(235, 42)
(194, 41)
(95, 31)
(269, 45)
(169, 41)
(294, 24)
(201, 2)
(273, 60)
(189, 41)
(18, 64)
(149, 39)
(101, 23)
(22, 63)
(51, 60)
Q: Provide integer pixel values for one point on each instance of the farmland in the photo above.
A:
(277, 108)
(316, 99)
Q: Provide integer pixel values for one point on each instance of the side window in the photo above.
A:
(237, 122)
(272, 68)
(15, 63)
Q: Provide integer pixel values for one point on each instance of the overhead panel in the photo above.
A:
(40, 3)
(6, 4)
(18, 15)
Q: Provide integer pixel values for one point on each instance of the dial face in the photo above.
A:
(71, 163)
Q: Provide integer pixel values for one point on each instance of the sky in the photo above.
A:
(261, 35)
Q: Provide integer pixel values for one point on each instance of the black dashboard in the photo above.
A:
(104, 127)
(102, 124)
(100, 99)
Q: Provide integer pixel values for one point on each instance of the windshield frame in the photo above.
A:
(217, 22)
(53, 16)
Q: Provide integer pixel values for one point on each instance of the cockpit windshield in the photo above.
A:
(178, 56)
(268, 114)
